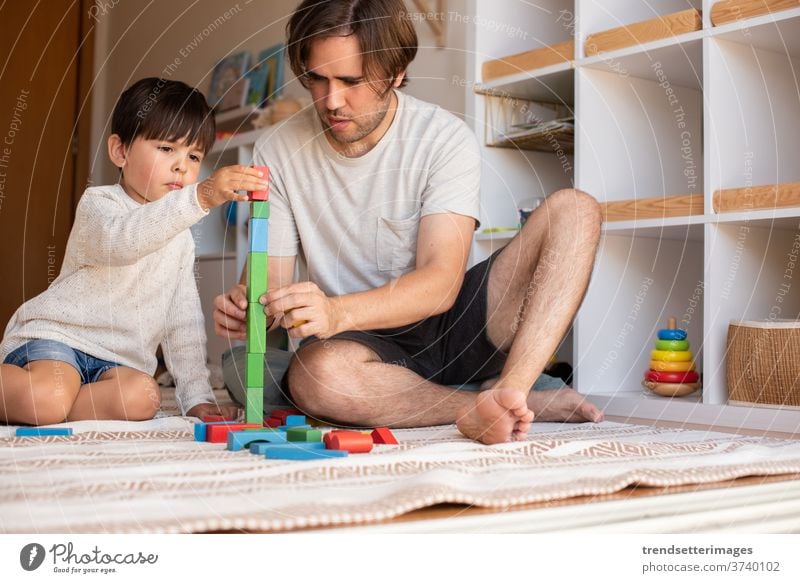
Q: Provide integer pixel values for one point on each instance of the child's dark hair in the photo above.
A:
(158, 109)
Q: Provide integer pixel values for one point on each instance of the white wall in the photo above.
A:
(140, 38)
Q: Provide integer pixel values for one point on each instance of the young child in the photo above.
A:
(86, 347)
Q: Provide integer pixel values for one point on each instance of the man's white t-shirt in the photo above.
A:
(356, 220)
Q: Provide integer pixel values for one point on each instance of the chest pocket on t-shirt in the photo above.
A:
(397, 243)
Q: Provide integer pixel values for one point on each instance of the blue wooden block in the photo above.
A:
(295, 420)
(287, 453)
(42, 431)
(238, 440)
(201, 429)
(261, 448)
(259, 235)
(285, 427)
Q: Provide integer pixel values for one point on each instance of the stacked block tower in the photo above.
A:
(672, 371)
(257, 259)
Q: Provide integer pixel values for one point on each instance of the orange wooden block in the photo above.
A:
(384, 436)
(349, 441)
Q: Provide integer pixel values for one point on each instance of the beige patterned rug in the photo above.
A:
(114, 476)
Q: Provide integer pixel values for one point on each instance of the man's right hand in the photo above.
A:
(230, 313)
(221, 186)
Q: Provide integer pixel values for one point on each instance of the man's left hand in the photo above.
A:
(304, 310)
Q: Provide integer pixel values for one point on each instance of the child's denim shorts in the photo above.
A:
(89, 367)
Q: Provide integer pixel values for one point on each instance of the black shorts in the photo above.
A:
(449, 349)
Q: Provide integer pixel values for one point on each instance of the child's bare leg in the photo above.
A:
(40, 393)
(121, 393)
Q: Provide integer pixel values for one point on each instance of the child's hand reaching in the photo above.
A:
(203, 409)
(221, 186)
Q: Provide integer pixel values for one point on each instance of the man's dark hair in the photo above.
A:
(383, 28)
(158, 109)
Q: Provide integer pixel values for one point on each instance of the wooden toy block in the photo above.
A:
(282, 414)
(384, 436)
(259, 210)
(350, 441)
(42, 431)
(238, 440)
(272, 422)
(261, 447)
(288, 427)
(201, 431)
(213, 418)
(254, 407)
(257, 276)
(254, 370)
(293, 420)
(261, 194)
(303, 434)
(259, 235)
(256, 329)
(302, 454)
(219, 433)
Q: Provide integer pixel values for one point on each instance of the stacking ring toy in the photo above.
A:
(671, 356)
(670, 334)
(674, 345)
(660, 365)
(671, 389)
(672, 377)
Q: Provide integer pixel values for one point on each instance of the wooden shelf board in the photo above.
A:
(727, 11)
(653, 208)
(528, 61)
(639, 33)
(555, 84)
(769, 196)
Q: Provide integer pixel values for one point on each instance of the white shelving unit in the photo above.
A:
(686, 115)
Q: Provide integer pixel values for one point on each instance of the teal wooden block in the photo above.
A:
(256, 329)
(256, 276)
(302, 434)
(259, 210)
(295, 420)
(238, 440)
(259, 235)
(42, 431)
(303, 454)
(254, 370)
(254, 406)
(260, 448)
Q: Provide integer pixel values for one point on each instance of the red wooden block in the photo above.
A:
(349, 441)
(272, 422)
(215, 418)
(282, 414)
(219, 433)
(384, 436)
(672, 377)
(261, 194)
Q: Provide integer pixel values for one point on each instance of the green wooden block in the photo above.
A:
(256, 329)
(254, 371)
(303, 434)
(254, 408)
(259, 210)
(256, 275)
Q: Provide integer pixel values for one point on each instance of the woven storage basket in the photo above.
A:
(763, 363)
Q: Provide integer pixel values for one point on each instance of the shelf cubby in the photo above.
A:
(666, 26)
(727, 11)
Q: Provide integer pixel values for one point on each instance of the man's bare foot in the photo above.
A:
(498, 415)
(563, 405)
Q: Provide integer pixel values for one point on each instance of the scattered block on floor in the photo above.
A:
(287, 427)
(238, 440)
(295, 420)
(201, 429)
(260, 447)
(272, 422)
(219, 433)
(282, 414)
(215, 418)
(350, 441)
(301, 434)
(42, 431)
(383, 436)
(295, 453)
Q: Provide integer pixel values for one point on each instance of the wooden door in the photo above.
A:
(45, 72)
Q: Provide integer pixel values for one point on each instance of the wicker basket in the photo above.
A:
(763, 363)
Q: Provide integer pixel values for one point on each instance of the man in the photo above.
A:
(379, 192)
